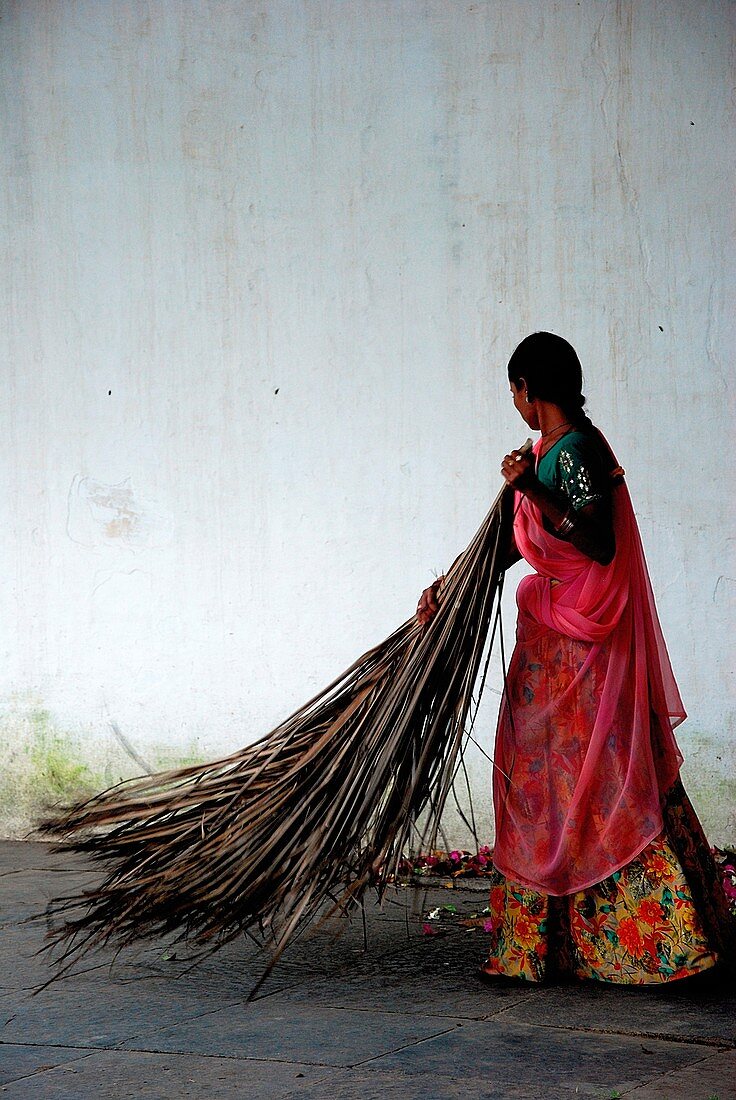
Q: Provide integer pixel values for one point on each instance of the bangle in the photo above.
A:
(566, 524)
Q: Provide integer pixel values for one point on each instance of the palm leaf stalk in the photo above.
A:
(317, 810)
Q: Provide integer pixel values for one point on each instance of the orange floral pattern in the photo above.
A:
(637, 927)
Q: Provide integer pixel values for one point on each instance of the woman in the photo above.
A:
(601, 868)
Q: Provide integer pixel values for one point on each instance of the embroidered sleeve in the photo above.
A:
(581, 473)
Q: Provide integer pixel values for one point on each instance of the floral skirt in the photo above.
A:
(662, 917)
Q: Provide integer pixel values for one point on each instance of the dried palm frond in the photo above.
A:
(318, 809)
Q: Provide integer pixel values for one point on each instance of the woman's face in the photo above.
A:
(527, 410)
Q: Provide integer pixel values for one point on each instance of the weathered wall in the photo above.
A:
(265, 265)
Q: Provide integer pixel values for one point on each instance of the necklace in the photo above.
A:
(567, 424)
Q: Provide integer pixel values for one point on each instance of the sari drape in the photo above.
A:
(585, 750)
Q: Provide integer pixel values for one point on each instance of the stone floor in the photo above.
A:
(396, 1013)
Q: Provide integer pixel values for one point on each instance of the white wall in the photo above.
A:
(265, 265)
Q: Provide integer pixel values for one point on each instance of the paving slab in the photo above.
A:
(100, 1017)
(713, 1078)
(25, 855)
(420, 979)
(25, 894)
(123, 1074)
(337, 947)
(20, 1060)
(24, 965)
(21, 965)
(452, 953)
(238, 966)
(220, 987)
(676, 1010)
(460, 1084)
(508, 1054)
(430, 976)
(340, 943)
(460, 996)
(295, 1033)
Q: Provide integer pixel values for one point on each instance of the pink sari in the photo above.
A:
(585, 751)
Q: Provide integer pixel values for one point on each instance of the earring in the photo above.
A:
(527, 399)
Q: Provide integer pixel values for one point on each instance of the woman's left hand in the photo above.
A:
(518, 470)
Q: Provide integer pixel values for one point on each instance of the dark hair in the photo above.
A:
(551, 369)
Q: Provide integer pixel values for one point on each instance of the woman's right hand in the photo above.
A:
(428, 606)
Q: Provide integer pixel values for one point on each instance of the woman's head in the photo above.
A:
(544, 367)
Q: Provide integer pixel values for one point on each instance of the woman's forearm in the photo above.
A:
(590, 529)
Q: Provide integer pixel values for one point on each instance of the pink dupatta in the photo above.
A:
(584, 748)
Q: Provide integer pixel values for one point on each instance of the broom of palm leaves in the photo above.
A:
(314, 812)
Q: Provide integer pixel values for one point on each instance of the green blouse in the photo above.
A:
(577, 468)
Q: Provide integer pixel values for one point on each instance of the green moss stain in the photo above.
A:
(181, 758)
(45, 766)
(709, 775)
(57, 772)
